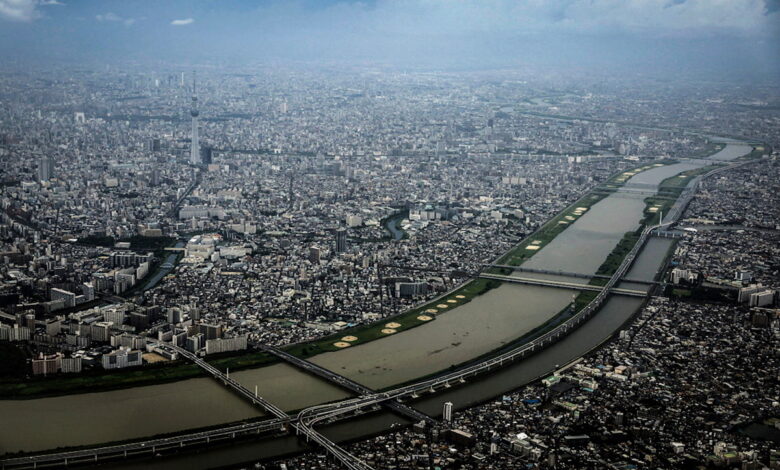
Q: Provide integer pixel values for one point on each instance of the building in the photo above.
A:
(125, 259)
(762, 299)
(206, 155)
(354, 221)
(53, 326)
(45, 365)
(100, 331)
(70, 365)
(196, 342)
(210, 331)
(215, 346)
(15, 333)
(121, 358)
(45, 168)
(684, 276)
(341, 241)
(195, 146)
(746, 293)
(410, 289)
(60, 294)
(314, 255)
(447, 411)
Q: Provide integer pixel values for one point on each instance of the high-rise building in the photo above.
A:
(206, 155)
(314, 255)
(341, 241)
(447, 412)
(195, 149)
(45, 168)
(155, 177)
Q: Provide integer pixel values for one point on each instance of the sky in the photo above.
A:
(729, 38)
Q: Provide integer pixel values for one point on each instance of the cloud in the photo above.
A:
(19, 10)
(771, 6)
(447, 17)
(110, 16)
(182, 22)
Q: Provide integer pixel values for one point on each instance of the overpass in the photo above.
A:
(348, 460)
(345, 383)
(562, 284)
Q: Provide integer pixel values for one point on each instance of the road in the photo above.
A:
(345, 383)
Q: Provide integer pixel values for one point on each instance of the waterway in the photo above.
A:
(165, 268)
(390, 226)
(468, 331)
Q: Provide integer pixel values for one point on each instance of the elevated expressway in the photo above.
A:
(304, 422)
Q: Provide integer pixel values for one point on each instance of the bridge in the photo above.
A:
(562, 273)
(344, 382)
(562, 284)
(348, 460)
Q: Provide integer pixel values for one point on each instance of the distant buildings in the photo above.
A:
(341, 241)
(45, 168)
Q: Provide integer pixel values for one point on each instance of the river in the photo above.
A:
(468, 331)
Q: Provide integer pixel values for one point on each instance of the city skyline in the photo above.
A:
(402, 235)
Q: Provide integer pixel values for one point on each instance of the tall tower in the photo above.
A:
(195, 150)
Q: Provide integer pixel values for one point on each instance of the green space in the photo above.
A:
(618, 254)
(406, 320)
(757, 152)
(14, 363)
(241, 360)
(681, 180)
(137, 242)
(96, 381)
(544, 235)
(521, 253)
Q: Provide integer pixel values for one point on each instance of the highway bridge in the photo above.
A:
(561, 284)
(345, 383)
(348, 460)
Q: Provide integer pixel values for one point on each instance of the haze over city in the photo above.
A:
(414, 234)
(692, 37)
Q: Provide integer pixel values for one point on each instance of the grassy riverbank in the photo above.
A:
(544, 235)
(394, 325)
(96, 381)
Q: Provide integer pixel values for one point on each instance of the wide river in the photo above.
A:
(465, 332)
